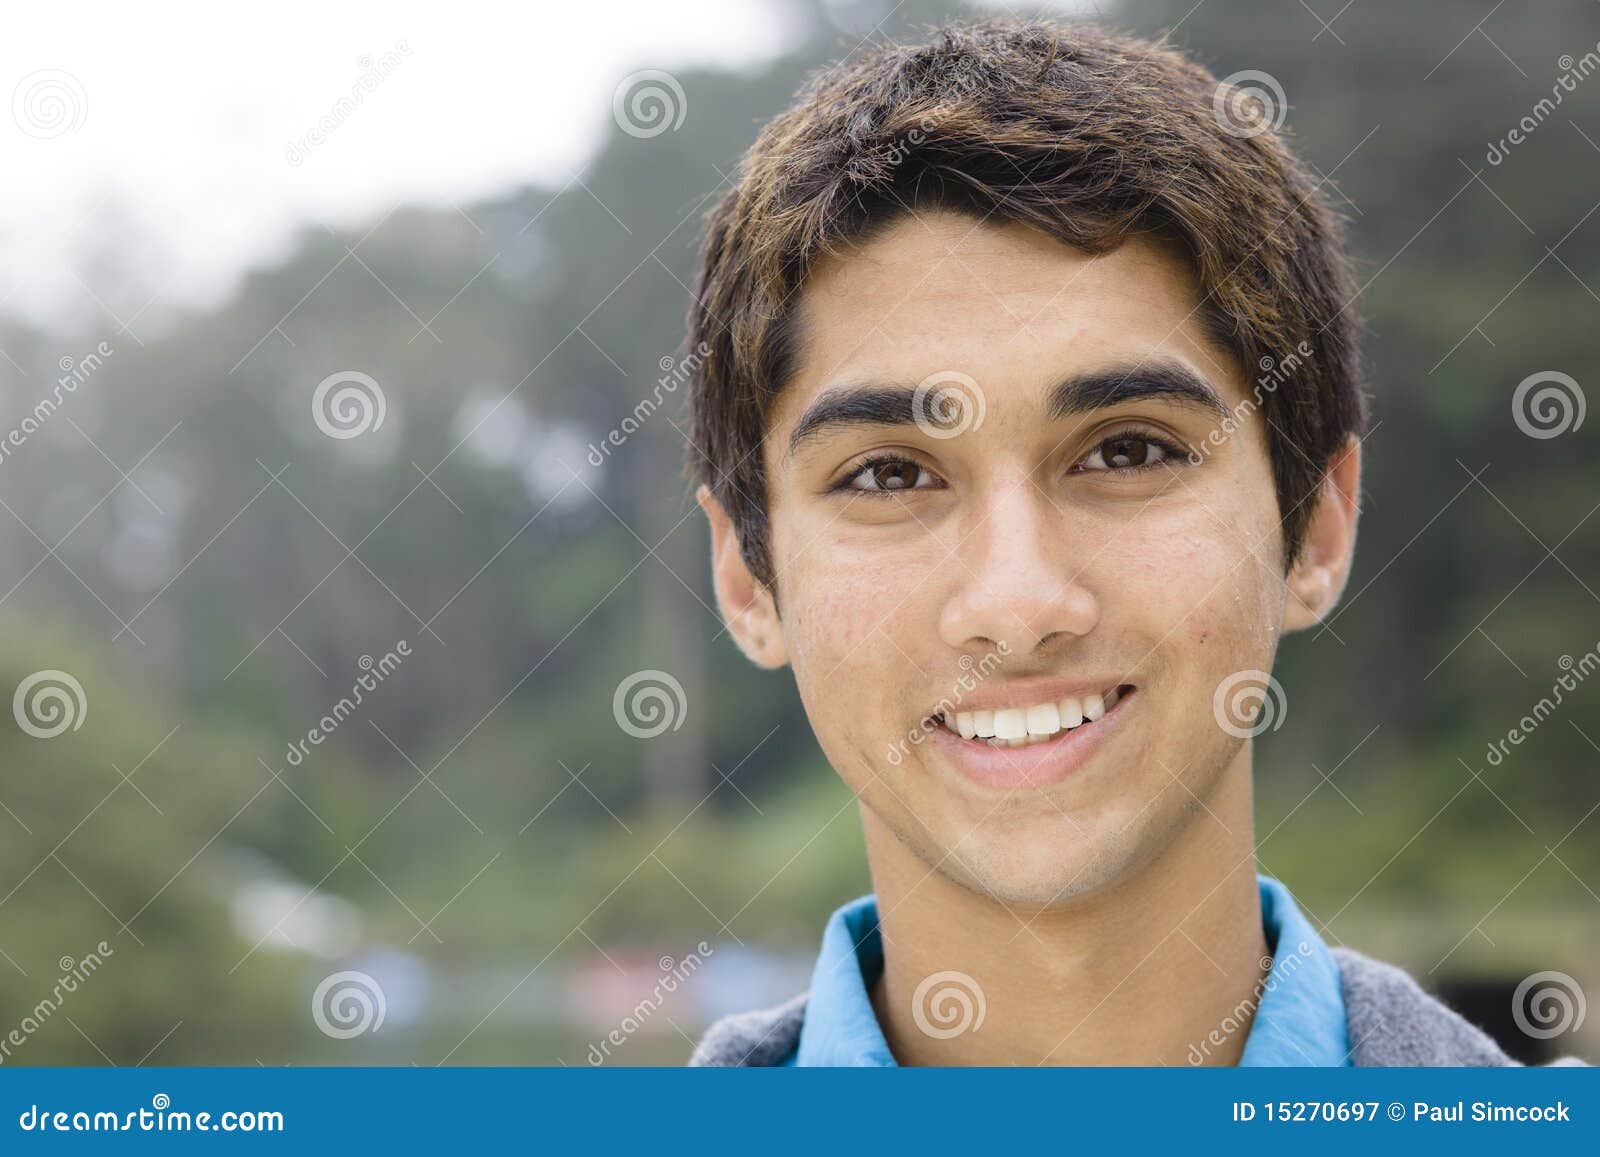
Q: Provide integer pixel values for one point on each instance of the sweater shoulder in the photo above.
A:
(763, 1038)
(1393, 1022)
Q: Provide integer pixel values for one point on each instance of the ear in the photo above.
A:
(1319, 575)
(747, 606)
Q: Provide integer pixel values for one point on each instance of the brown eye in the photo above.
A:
(1126, 452)
(891, 475)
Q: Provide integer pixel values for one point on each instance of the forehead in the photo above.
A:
(1003, 302)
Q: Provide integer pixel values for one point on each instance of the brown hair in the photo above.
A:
(1087, 135)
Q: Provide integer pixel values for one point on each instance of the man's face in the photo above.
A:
(1039, 538)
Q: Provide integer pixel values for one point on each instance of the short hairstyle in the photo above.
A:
(1087, 135)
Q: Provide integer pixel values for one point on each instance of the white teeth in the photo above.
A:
(1044, 719)
(1009, 723)
(1025, 726)
(1028, 742)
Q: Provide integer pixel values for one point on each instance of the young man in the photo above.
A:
(1028, 421)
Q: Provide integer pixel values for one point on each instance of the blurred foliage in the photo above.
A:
(481, 835)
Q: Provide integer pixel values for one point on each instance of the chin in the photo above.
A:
(1048, 864)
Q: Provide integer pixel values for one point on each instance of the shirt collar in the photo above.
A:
(840, 1029)
(1299, 1021)
(1301, 1018)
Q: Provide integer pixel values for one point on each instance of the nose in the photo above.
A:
(1017, 577)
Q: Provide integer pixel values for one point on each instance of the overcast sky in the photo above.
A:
(147, 151)
(172, 132)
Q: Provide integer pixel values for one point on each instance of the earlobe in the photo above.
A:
(1319, 574)
(747, 607)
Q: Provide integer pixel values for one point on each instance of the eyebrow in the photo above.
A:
(855, 406)
(1167, 381)
(895, 405)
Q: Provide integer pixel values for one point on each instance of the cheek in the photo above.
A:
(1202, 597)
(836, 613)
(850, 621)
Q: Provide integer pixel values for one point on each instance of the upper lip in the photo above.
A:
(1029, 692)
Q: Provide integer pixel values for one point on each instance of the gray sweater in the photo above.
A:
(1392, 1022)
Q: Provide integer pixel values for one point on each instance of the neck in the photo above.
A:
(1139, 973)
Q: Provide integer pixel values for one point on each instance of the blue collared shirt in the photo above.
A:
(1300, 1020)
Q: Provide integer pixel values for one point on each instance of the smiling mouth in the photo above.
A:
(1034, 724)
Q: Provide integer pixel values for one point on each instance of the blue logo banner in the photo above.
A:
(661, 1111)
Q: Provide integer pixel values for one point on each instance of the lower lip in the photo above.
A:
(1037, 764)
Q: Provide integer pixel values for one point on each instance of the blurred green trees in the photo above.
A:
(481, 826)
